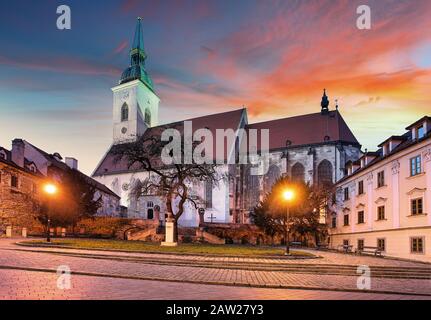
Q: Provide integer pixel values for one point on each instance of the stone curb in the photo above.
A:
(230, 284)
(171, 253)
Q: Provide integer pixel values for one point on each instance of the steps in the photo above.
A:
(142, 235)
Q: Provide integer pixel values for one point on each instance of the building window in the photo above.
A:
(416, 206)
(381, 213)
(2, 155)
(334, 222)
(346, 194)
(381, 244)
(298, 172)
(150, 204)
(345, 242)
(381, 179)
(415, 166)
(421, 132)
(360, 187)
(125, 112)
(14, 182)
(324, 173)
(361, 217)
(417, 245)
(360, 244)
(209, 194)
(346, 220)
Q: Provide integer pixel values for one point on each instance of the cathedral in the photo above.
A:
(312, 147)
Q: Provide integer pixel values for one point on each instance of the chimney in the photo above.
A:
(18, 148)
(72, 163)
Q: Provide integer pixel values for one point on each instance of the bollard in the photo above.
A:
(9, 232)
(24, 232)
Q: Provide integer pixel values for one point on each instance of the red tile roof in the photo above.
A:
(300, 130)
(227, 120)
(307, 129)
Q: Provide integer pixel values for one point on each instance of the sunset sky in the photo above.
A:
(272, 56)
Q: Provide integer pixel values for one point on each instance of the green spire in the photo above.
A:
(137, 60)
(137, 54)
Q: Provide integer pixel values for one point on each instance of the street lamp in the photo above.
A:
(50, 189)
(288, 196)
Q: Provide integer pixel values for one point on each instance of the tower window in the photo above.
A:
(125, 112)
(148, 117)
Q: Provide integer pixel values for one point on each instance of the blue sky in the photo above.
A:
(273, 56)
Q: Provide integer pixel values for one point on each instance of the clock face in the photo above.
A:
(124, 95)
(124, 130)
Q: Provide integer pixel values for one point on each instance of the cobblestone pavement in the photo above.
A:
(42, 286)
(92, 275)
(325, 257)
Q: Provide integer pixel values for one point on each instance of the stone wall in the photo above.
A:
(17, 204)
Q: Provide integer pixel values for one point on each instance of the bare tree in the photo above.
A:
(173, 182)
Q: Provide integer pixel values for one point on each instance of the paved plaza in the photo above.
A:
(31, 273)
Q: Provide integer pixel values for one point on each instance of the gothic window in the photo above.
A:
(209, 194)
(125, 112)
(253, 188)
(271, 177)
(324, 173)
(298, 172)
(148, 117)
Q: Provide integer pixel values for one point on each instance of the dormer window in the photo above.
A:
(421, 132)
(420, 128)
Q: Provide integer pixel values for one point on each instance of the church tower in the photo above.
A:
(136, 105)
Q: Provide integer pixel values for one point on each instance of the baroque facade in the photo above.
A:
(313, 147)
(385, 200)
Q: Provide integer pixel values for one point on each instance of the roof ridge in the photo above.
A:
(292, 117)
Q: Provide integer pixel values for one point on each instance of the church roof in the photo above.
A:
(300, 130)
(226, 120)
(27, 163)
(315, 128)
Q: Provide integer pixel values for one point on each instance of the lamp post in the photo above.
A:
(288, 196)
(50, 189)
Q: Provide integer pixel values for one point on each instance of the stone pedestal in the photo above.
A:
(169, 235)
(8, 232)
(24, 232)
